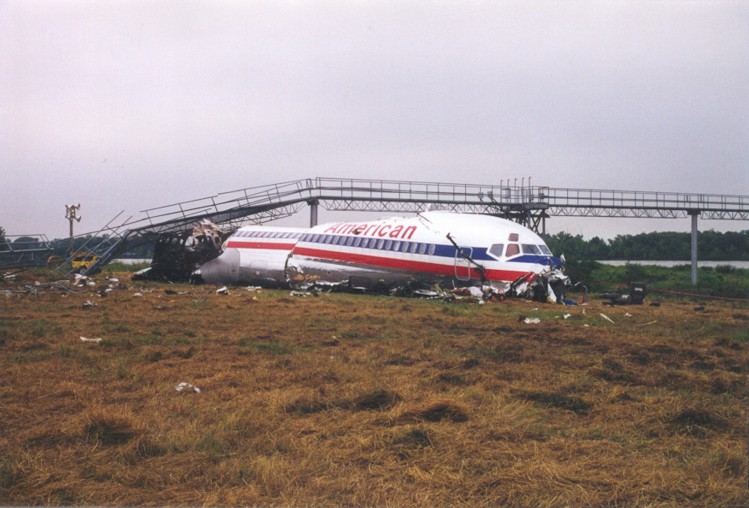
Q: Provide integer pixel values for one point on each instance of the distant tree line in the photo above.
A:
(665, 246)
(60, 246)
(98, 244)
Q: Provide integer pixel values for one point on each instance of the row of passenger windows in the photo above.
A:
(269, 234)
(350, 241)
(496, 250)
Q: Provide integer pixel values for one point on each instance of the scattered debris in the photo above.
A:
(88, 304)
(222, 291)
(604, 316)
(531, 321)
(649, 323)
(303, 294)
(97, 340)
(636, 295)
(187, 387)
(548, 286)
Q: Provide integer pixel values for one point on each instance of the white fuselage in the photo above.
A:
(434, 247)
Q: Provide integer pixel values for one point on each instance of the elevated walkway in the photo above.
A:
(526, 204)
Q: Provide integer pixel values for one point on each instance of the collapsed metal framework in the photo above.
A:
(527, 204)
(18, 251)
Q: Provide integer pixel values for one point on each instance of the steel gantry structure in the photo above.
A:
(518, 201)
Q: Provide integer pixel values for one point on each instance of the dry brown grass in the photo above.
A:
(348, 400)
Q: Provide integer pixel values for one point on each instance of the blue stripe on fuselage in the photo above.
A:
(441, 250)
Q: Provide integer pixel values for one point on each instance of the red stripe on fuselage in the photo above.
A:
(405, 264)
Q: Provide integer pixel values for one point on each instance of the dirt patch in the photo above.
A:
(557, 400)
(437, 412)
(697, 422)
(374, 401)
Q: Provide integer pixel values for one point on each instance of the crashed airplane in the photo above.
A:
(434, 248)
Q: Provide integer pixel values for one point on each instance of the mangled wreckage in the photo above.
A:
(402, 255)
(177, 255)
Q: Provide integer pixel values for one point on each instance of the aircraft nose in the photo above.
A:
(222, 270)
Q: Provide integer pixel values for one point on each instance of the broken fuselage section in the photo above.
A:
(435, 248)
(177, 255)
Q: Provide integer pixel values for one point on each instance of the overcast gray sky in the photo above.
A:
(136, 104)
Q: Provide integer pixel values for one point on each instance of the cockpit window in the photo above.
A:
(496, 250)
(531, 249)
(545, 250)
(513, 249)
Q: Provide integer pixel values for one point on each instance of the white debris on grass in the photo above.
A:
(187, 387)
(97, 340)
(604, 316)
(531, 321)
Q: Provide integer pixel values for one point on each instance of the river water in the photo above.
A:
(713, 264)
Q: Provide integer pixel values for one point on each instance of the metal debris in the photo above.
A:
(177, 255)
(187, 387)
(636, 295)
(604, 316)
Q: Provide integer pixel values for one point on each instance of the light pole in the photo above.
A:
(70, 214)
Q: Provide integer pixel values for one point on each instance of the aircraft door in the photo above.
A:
(462, 263)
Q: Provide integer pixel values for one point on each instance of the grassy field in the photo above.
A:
(354, 400)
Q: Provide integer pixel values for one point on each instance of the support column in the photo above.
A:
(694, 214)
(312, 213)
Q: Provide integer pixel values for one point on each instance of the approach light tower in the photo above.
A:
(71, 215)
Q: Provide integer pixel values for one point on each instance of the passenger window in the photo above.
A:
(513, 249)
(365, 243)
(404, 248)
(388, 244)
(396, 246)
(422, 248)
(380, 243)
(432, 248)
(496, 250)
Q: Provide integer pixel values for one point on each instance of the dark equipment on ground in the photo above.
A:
(636, 295)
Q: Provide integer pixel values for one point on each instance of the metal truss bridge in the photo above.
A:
(529, 205)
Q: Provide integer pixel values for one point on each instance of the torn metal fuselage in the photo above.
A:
(436, 248)
(177, 255)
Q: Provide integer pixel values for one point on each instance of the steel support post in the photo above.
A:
(313, 213)
(694, 214)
